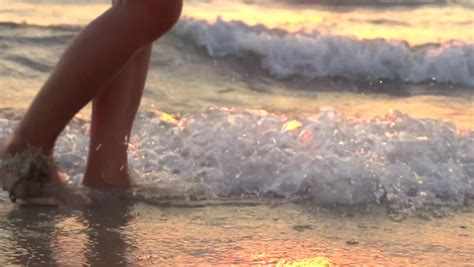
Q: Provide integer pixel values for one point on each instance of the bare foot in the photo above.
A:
(27, 174)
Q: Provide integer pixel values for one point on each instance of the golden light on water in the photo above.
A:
(265, 260)
(52, 14)
(420, 25)
(266, 234)
(254, 15)
(415, 26)
(314, 262)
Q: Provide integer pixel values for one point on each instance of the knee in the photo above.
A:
(153, 18)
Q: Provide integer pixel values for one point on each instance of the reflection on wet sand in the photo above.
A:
(32, 234)
(43, 236)
(119, 233)
(105, 225)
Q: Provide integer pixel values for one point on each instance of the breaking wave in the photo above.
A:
(315, 56)
(280, 53)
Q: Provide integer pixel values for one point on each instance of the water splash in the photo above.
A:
(399, 161)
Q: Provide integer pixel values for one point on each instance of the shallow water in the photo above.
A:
(117, 232)
(317, 133)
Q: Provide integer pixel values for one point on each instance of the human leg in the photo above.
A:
(96, 56)
(98, 53)
(114, 110)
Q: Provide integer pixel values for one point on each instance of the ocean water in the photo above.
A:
(283, 108)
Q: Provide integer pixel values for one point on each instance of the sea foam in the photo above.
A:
(314, 56)
(399, 161)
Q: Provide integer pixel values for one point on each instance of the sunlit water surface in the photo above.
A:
(342, 134)
(117, 233)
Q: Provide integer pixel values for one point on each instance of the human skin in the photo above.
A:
(107, 64)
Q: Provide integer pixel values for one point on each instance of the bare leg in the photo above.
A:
(112, 118)
(98, 54)
(88, 65)
(113, 112)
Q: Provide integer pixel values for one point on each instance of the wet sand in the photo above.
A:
(118, 232)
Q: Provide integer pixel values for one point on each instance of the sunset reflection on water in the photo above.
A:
(417, 26)
(260, 234)
(282, 235)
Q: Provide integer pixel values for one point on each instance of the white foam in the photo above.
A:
(319, 56)
(327, 159)
(397, 160)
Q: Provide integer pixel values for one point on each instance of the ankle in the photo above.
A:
(107, 176)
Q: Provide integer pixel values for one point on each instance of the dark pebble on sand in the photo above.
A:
(228, 90)
(463, 227)
(352, 242)
(302, 228)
